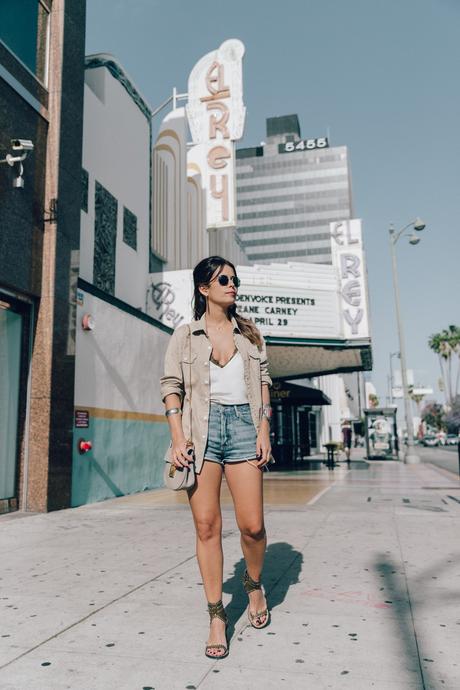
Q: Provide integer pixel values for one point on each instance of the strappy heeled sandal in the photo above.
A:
(217, 611)
(251, 585)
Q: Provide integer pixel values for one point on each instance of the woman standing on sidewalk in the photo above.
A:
(223, 357)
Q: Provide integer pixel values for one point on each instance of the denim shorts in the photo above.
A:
(232, 436)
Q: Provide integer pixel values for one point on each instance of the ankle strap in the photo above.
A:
(217, 611)
(249, 584)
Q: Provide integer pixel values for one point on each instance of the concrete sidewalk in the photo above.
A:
(362, 573)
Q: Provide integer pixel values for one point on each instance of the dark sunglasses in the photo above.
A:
(224, 280)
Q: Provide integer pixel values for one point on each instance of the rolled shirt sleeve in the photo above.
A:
(172, 381)
(264, 374)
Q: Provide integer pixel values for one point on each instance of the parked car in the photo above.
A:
(430, 440)
(452, 439)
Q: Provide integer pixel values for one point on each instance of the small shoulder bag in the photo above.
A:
(177, 478)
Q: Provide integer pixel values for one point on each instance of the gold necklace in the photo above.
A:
(217, 328)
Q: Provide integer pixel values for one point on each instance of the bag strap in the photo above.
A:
(190, 378)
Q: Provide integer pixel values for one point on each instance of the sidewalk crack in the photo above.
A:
(403, 565)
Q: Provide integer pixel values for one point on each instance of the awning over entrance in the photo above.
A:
(289, 393)
(296, 358)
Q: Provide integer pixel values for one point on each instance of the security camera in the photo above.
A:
(22, 148)
(22, 145)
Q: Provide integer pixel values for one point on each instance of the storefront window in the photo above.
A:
(24, 29)
(10, 353)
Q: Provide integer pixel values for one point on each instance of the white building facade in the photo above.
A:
(119, 349)
(145, 204)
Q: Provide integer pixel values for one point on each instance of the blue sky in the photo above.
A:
(382, 76)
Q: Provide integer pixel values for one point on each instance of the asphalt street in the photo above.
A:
(445, 457)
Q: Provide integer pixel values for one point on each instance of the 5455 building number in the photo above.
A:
(304, 145)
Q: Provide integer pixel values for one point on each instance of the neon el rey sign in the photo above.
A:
(348, 259)
(216, 116)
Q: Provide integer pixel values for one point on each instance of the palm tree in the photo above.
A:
(446, 345)
(435, 344)
(452, 345)
(455, 346)
(416, 397)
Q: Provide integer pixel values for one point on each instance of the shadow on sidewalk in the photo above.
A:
(282, 567)
(405, 606)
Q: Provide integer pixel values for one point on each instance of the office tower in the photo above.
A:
(288, 191)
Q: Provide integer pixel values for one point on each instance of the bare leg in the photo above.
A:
(245, 482)
(204, 501)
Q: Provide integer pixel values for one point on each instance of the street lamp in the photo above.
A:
(392, 354)
(418, 225)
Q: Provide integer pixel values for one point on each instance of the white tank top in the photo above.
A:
(227, 383)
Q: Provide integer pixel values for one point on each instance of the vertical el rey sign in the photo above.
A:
(348, 260)
(216, 116)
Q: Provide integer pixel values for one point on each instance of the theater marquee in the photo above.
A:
(290, 300)
(314, 317)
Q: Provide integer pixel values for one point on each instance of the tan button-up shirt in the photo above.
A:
(187, 374)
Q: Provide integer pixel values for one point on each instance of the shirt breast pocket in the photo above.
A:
(188, 368)
(254, 355)
(254, 367)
